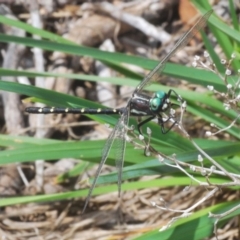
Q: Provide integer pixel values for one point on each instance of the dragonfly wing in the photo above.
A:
(120, 144)
(105, 153)
(154, 75)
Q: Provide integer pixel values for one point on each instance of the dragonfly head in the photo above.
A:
(159, 102)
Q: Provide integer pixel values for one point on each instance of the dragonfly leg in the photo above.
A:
(161, 123)
(174, 104)
(144, 122)
(178, 96)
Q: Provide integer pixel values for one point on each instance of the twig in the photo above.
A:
(134, 21)
(39, 65)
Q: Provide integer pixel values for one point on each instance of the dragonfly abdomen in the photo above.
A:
(51, 110)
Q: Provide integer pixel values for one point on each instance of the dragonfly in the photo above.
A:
(139, 105)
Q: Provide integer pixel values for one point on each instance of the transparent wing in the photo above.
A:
(154, 75)
(120, 142)
(105, 153)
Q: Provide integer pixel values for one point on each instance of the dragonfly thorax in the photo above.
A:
(159, 102)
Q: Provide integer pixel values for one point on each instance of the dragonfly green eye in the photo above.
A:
(157, 100)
